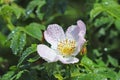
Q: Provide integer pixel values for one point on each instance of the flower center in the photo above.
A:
(66, 47)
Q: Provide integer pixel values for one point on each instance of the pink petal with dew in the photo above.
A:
(77, 32)
(72, 32)
(81, 34)
(46, 53)
(68, 60)
(53, 34)
(79, 46)
(81, 43)
(82, 27)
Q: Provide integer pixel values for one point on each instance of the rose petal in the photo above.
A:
(68, 60)
(77, 32)
(79, 47)
(46, 53)
(72, 32)
(53, 34)
(81, 43)
(82, 27)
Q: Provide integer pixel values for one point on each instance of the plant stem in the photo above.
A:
(9, 24)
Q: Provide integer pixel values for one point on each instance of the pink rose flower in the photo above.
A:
(64, 46)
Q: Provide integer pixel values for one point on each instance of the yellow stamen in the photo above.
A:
(66, 47)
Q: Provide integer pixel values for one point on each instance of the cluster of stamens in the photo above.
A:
(66, 47)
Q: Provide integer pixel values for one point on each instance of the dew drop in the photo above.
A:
(106, 2)
(105, 49)
(13, 31)
(28, 12)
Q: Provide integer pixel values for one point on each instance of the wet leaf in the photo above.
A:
(27, 52)
(8, 75)
(2, 39)
(58, 76)
(117, 24)
(36, 5)
(87, 63)
(6, 11)
(96, 11)
(34, 30)
(19, 74)
(90, 76)
(18, 42)
(34, 59)
(18, 11)
(112, 60)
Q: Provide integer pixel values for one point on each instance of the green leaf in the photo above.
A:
(2, 39)
(96, 52)
(19, 74)
(18, 11)
(8, 75)
(38, 12)
(117, 24)
(102, 32)
(103, 20)
(90, 76)
(96, 11)
(34, 59)
(22, 41)
(105, 6)
(113, 61)
(1, 1)
(18, 42)
(113, 10)
(110, 74)
(13, 33)
(75, 73)
(31, 6)
(27, 52)
(34, 30)
(87, 63)
(13, 68)
(6, 11)
(100, 62)
(58, 76)
(108, 3)
(27, 75)
(36, 5)
(118, 76)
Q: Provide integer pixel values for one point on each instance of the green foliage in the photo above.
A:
(27, 52)
(2, 39)
(33, 59)
(106, 7)
(113, 61)
(18, 42)
(6, 11)
(117, 24)
(34, 30)
(33, 4)
(8, 76)
(22, 23)
(18, 11)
